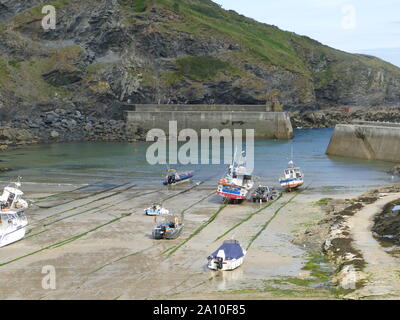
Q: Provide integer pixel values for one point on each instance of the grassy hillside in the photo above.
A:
(177, 51)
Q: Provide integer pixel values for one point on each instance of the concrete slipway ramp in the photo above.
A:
(381, 268)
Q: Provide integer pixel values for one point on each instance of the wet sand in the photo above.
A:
(99, 242)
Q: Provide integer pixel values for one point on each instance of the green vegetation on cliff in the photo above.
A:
(177, 51)
(200, 68)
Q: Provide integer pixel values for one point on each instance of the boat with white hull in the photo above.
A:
(237, 182)
(13, 221)
(227, 257)
(292, 178)
(12, 226)
(12, 198)
(156, 210)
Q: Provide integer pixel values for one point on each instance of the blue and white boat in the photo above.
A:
(292, 178)
(156, 210)
(229, 256)
(174, 177)
(237, 182)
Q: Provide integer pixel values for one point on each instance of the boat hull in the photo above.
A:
(291, 183)
(151, 212)
(232, 192)
(12, 236)
(185, 177)
(227, 265)
(174, 233)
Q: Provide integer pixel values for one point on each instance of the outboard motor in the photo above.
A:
(171, 179)
(158, 233)
(219, 262)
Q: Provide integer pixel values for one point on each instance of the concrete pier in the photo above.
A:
(274, 125)
(366, 140)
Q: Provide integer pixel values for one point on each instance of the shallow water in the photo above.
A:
(120, 162)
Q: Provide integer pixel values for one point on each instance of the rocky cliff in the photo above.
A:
(104, 53)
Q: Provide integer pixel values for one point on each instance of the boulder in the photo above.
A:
(14, 134)
(54, 134)
(395, 170)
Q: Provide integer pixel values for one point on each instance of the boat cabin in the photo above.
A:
(293, 173)
(10, 198)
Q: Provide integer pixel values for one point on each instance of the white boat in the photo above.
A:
(12, 226)
(12, 198)
(237, 183)
(156, 210)
(229, 256)
(292, 178)
(13, 221)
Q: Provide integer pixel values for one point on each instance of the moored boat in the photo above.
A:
(168, 230)
(174, 177)
(156, 210)
(237, 182)
(228, 256)
(12, 226)
(292, 178)
(12, 198)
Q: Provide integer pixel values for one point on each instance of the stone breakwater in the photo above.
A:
(266, 124)
(60, 126)
(366, 140)
(326, 118)
(70, 124)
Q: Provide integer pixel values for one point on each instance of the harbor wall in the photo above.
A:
(274, 125)
(366, 140)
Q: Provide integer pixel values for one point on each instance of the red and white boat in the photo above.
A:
(292, 178)
(237, 183)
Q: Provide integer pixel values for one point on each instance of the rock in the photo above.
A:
(60, 111)
(395, 170)
(63, 77)
(54, 134)
(51, 117)
(14, 134)
(2, 170)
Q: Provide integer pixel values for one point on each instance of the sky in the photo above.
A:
(357, 26)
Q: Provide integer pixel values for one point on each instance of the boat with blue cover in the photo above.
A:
(229, 256)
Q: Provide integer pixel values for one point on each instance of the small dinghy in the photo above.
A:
(229, 256)
(168, 230)
(156, 210)
(174, 177)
